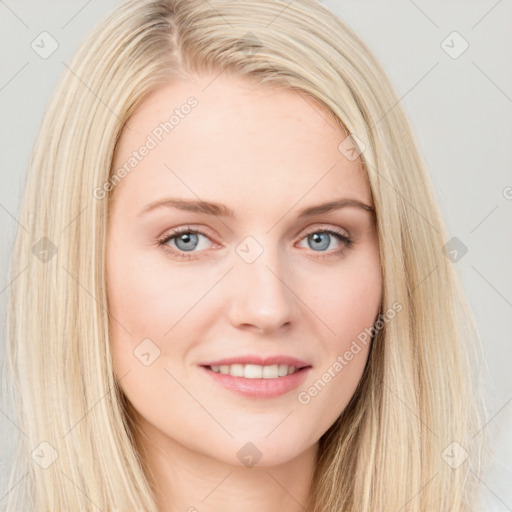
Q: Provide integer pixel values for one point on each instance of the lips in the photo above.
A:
(250, 386)
(258, 360)
(259, 389)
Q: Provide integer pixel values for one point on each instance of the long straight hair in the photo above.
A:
(418, 403)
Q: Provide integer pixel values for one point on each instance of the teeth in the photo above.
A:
(255, 371)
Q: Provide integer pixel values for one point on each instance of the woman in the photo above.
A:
(252, 371)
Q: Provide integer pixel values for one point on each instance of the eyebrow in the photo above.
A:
(221, 210)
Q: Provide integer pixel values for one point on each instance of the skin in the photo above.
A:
(266, 155)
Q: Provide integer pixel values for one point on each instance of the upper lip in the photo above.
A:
(259, 360)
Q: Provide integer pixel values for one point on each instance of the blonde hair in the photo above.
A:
(420, 389)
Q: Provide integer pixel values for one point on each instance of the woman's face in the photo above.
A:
(263, 280)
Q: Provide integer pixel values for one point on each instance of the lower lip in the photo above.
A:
(260, 388)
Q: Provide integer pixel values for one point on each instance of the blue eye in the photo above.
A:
(320, 239)
(187, 239)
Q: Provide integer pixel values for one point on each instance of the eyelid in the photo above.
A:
(326, 227)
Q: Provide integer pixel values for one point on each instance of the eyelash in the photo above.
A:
(346, 241)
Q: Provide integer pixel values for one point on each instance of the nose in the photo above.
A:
(262, 297)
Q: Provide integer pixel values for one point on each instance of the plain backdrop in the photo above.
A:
(450, 62)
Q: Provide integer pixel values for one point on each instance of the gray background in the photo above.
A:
(460, 108)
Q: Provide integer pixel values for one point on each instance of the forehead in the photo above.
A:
(240, 143)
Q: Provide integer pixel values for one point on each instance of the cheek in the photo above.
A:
(348, 301)
(349, 304)
(143, 295)
(350, 308)
(141, 308)
(146, 301)
(132, 298)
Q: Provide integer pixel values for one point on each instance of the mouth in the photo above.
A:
(256, 371)
(256, 381)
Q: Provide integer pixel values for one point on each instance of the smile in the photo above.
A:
(255, 383)
(255, 371)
